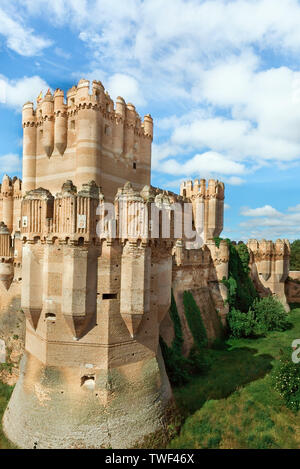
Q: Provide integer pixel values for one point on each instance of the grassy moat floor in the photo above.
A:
(234, 405)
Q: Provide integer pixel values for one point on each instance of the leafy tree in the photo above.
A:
(295, 255)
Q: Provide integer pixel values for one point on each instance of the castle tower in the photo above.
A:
(6, 260)
(85, 138)
(29, 147)
(208, 206)
(92, 375)
(269, 264)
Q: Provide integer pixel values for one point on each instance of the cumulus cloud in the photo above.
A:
(14, 93)
(19, 37)
(206, 164)
(266, 211)
(126, 86)
(10, 164)
(268, 222)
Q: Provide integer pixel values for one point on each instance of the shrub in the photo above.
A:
(269, 314)
(265, 314)
(286, 379)
(240, 324)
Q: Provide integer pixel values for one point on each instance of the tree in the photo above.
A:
(295, 255)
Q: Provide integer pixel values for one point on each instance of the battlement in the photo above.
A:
(10, 187)
(268, 250)
(208, 205)
(10, 202)
(80, 97)
(146, 215)
(199, 188)
(87, 136)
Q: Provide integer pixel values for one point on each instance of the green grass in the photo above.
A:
(235, 405)
(5, 393)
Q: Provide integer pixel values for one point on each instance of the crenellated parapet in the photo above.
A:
(87, 135)
(208, 205)
(269, 263)
(10, 202)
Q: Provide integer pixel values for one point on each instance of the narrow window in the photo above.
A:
(134, 165)
(109, 296)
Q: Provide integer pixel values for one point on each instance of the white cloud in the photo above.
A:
(10, 164)
(126, 86)
(267, 222)
(16, 92)
(235, 181)
(266, 211)
(19, 37)
(206, 164)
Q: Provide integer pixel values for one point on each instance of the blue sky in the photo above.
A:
(220, 78)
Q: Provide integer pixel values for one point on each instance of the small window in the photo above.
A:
(107, 130)
(134, 165)
(107, 107)
(73, 125)
(109, 296)
(50, 317)
(41, 134)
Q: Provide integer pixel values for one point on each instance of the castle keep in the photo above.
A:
(96, 299)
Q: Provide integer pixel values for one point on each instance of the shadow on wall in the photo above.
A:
(198, 276)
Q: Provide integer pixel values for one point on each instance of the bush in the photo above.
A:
(270, 315)
(240, 324)
(286, 379)
(265, 314)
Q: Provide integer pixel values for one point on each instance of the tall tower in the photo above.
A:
(92, 375)
(85, 137)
